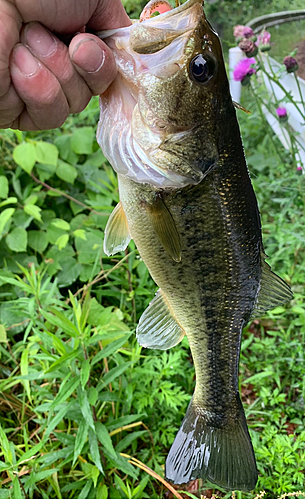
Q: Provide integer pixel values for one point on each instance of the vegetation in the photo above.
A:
(85, 412)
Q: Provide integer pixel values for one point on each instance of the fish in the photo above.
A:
(168, 127)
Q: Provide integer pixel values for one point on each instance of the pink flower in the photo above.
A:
(263, 38)
(282, 113)
(244, 68)
(248, 32)
(238, 31)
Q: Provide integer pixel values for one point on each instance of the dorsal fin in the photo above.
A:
(165, 228)
(117, 234)
(157, 328)
(273, 292)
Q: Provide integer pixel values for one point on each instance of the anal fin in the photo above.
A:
(274, 292)
(165, 228)
(117, 234)
(157, 328)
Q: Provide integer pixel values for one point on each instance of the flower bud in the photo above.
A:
(265, 48)
(248, 32)
(248, 47)
(281, 112)
(291, 64)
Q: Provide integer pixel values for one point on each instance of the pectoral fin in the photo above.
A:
(273, 292)
(157, 328)
(165, 228)
(117, 234)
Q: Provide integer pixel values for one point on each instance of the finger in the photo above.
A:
(94, 61)
(10, 107)
(46, 105)
(10, 23)
(55, 56)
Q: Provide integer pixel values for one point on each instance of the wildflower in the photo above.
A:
(299, 170)
(291, 64)
(238, 31)
(244, 69)
(282, 113)
(248, 47)
(263, 41)
(248, 32)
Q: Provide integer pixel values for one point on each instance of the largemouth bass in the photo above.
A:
(168, 127)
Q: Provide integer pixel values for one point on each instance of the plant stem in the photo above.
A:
(50, 188)
(300, 91)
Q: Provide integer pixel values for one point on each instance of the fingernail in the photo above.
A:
(25, 61)
(88, 56)
(39, 39)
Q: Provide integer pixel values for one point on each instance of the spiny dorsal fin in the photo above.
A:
(157, 328)
(117, 234)
(165, 228)
(239, 106)
(273, 292)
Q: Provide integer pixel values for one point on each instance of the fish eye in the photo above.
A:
(201, 69)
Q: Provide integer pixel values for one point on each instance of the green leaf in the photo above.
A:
(81, 438)
(38, 240)
(17, 239)
(39, 476)
(62, 241)
(61, 224)
(8, 201)
(66, 172)
(5, 217)
(60, 320)
(25, 156)
(85, 407)
(33, 210)
(94, 450)
(84, 373)
(64, 360)
(24, 369)
(3, 336)
(115, 372)
(65, 391)
(82, 140)
(63, 143)
(80, 233)
(3, 186)
(104, 438)
(5, 447)
(110, 349)
(46, 153)
(126, 441)
(54, 421)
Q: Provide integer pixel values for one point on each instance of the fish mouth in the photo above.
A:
(154, 48)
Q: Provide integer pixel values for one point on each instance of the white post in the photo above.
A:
(235, 55)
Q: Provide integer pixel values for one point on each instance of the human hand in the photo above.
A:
(41, 80)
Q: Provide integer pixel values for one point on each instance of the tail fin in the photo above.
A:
(222, 454)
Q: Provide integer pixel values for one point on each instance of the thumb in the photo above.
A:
(94, 61)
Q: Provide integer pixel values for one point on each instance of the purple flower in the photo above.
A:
(299, 168)
(282, 113)
(291, 64)
(263, 41)
(244, 68)
(248, 32)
